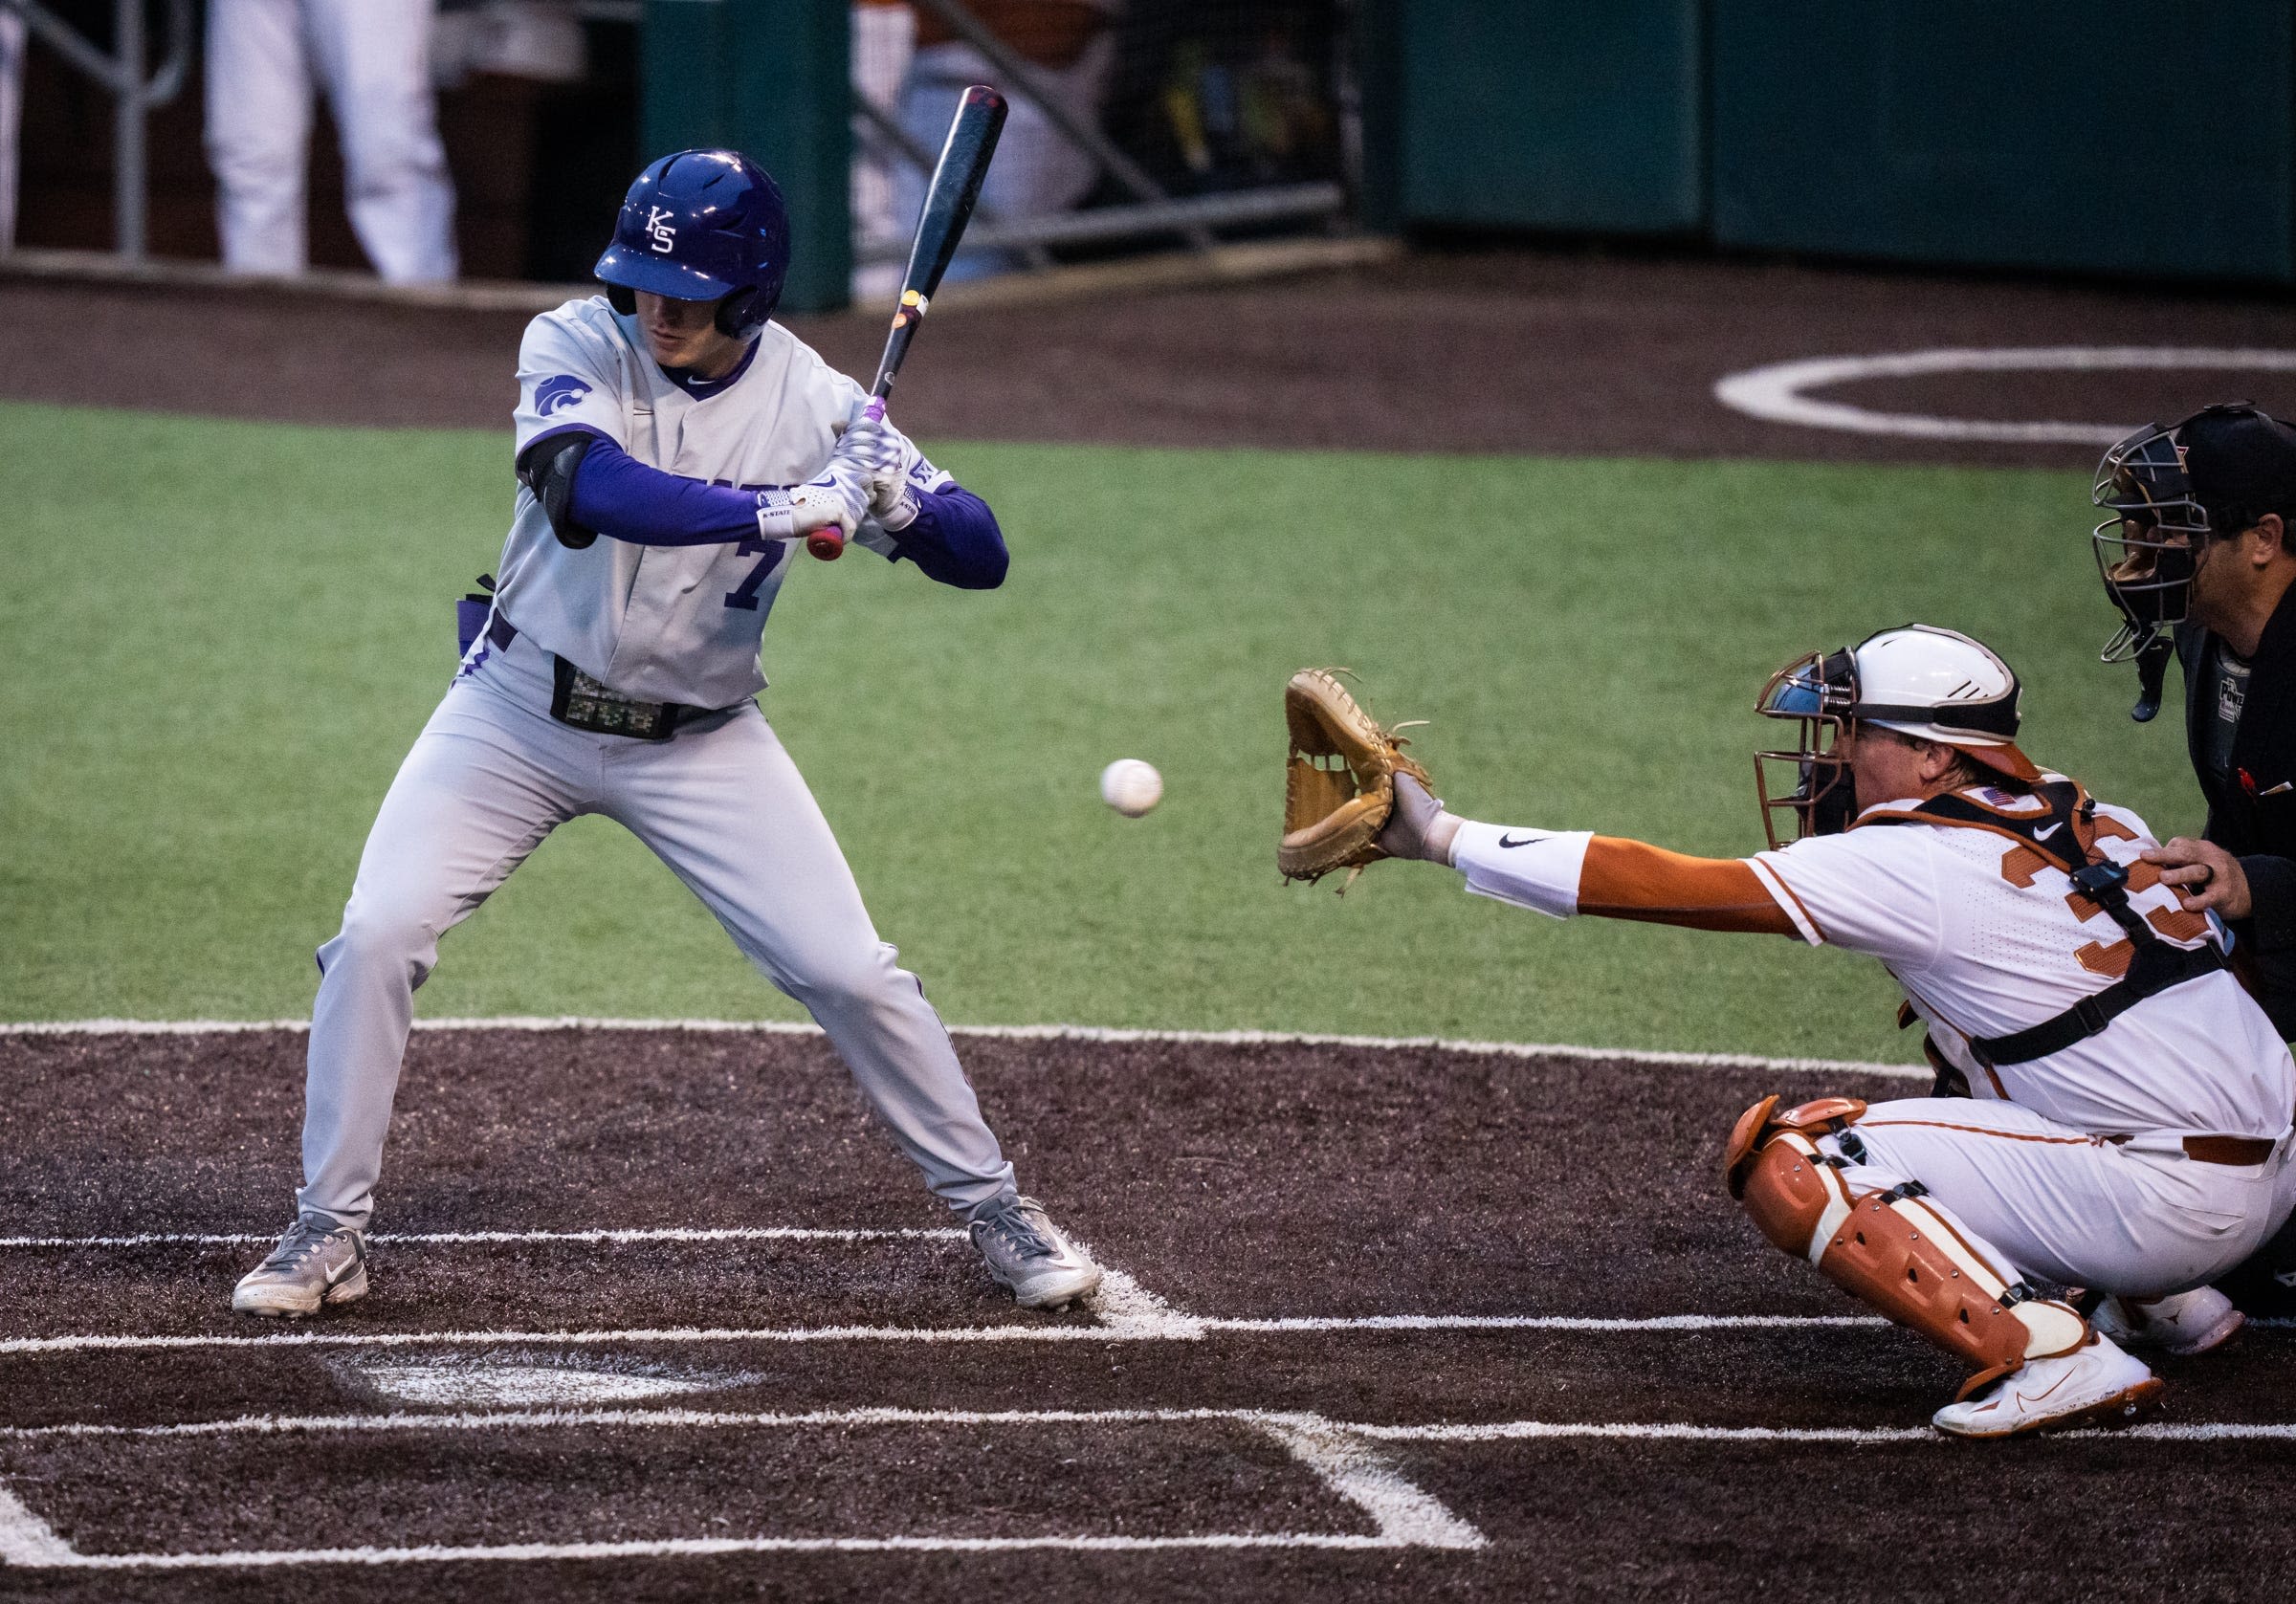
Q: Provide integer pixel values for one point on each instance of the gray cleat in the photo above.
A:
(1025, 1252)
(317, 1261)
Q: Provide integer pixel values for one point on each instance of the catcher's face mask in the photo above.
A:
(1814, 795)
(2146, 550)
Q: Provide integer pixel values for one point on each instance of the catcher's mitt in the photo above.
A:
(1340, 780)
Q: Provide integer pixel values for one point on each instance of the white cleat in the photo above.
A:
(2181, 1324)
(1028, 1254)
(2098, 1384)
(317, 1261)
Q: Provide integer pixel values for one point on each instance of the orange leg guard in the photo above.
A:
(1895, 1251)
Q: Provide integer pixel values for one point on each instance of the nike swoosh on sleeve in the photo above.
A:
(1507, 839)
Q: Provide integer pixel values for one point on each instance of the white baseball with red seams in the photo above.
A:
(1131, 787)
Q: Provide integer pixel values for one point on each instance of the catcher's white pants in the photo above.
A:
(2135, 1218)
(723, 805)
(373, 56)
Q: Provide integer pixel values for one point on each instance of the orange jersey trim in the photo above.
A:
(1634, 880)
(1983, 1131)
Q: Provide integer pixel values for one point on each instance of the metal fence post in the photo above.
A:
(133, 96)
(128, 129)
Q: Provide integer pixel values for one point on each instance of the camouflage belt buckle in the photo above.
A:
(582, 703)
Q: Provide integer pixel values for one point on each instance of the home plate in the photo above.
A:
(524, 1384)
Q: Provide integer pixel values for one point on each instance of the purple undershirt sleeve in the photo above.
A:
(617, 495)
(954, 540)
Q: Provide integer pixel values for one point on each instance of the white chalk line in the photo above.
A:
(25, 1539)
(1125, 1326)
(1101, 1034)
(1775, 392)
(636, 1233)
(1344, 1455)
(1403, 1514)
(712, 1420)
(686, 1546)
(1507, 1431)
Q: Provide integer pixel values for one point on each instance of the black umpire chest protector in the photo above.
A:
(2065, 837)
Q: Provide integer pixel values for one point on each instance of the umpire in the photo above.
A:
(2200, 549)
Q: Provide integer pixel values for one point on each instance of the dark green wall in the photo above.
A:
(1558, 116)
(769, 78)
(2141, 137)
(2123, 136)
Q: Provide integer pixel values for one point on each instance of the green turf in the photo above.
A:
(221, 638)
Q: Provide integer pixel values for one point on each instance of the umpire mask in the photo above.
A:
(2145, 549)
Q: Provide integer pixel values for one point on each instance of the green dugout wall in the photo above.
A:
(769, 78)
(2110, 136)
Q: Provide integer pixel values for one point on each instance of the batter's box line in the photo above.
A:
(1122, 1303)
(1403, 1514)
(1173, 1327)
(601, 1235)
(1122, 1310)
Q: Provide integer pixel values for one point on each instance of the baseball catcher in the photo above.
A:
(2126, 1127)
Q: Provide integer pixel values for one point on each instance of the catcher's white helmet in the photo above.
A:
(1919, 680)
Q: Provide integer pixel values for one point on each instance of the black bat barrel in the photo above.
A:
(949, 202)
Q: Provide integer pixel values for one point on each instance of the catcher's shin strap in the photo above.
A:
(2064, 836)
(1898, 1251)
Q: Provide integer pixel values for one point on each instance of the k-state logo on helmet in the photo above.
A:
(658, 224)
(557, 393)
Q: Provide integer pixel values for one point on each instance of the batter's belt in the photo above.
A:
(582, 703)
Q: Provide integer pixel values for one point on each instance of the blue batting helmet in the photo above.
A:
(702, 225)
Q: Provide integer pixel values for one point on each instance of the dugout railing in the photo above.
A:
(122, 76)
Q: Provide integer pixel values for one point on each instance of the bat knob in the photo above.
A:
(826, 545)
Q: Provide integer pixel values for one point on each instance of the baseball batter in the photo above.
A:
(673, 448)
(2125, 1122)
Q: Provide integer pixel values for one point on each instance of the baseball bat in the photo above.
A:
(948, 207)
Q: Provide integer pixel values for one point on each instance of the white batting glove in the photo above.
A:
(839, 497)
(878, 451)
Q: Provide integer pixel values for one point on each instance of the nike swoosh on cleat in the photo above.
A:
(1509, 841)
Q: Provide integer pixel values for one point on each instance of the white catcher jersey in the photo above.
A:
(674, 624)
(1985, 939)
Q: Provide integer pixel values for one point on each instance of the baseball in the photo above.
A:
(1131, 787)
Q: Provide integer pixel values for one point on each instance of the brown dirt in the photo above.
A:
(1546, 352)
(1262, 1181)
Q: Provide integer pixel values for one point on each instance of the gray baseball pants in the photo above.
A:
(723, 805)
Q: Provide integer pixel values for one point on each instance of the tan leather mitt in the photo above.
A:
(1340, 780)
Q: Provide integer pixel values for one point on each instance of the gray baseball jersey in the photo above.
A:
(672, 624)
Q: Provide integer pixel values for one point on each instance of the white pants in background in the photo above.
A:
(883, 39)
(720, 803)
(373, 58)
